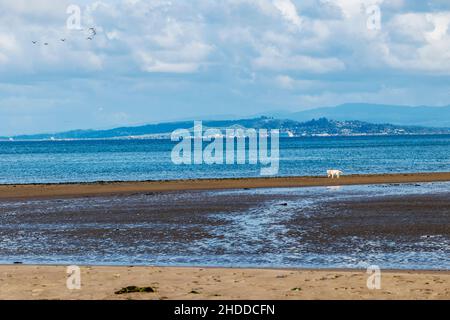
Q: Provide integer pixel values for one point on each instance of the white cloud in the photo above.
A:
(422, 43)
(289, 83)
(8, 47)
(289, 12)
(355, 8)
(49, 9)
(272, 59)
(285, 81)
(173, 37)
(441, 23)
(150, 64)
(124, 30)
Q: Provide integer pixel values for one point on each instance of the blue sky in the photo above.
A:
(163, 60)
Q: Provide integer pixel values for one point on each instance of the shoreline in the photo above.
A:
(37, 282)
(11, 191)
(209, 267)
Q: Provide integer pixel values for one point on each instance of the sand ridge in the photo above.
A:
(107, 188)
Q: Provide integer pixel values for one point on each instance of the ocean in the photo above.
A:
(140, 160)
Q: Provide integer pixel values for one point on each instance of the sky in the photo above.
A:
(155, 60)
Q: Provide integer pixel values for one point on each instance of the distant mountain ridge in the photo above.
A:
(378, 113)
(287, 127)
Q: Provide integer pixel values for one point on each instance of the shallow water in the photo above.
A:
(290, 227)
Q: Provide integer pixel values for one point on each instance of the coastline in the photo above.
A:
(8, 191)
(189, 283)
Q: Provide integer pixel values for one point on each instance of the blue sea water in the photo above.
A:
(130, 160)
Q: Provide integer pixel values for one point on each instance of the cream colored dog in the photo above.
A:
(334, 173)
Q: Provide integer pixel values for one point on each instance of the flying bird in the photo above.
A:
(34, 42)
(46, 44)
(63, 40)
(93, 33)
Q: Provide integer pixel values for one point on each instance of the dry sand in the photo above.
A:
(49, 282)
(104, 188)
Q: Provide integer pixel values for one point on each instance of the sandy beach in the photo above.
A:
(49, 282)
(105, 188)
(142, 222)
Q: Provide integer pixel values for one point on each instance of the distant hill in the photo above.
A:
(319, 127)
(375, 113)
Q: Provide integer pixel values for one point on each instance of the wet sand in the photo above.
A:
(106, 188)
(49, 282)
(300, 227)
